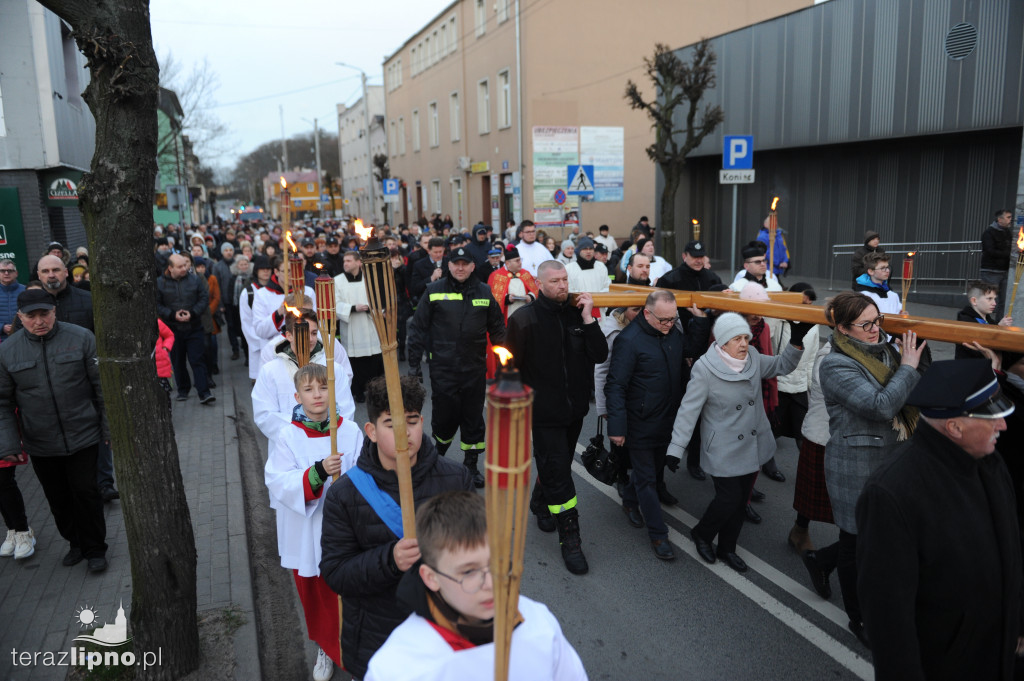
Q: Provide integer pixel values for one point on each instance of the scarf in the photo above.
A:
(299, 416)
(905, 421)
(762, 342)
(730, 361)
(290, 353)
(447, 617)
(584, 263)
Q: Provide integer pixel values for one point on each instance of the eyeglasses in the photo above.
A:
(883, 269)
(472, 580)
(869, 326)
(760, 261)
(8, 271)
(665, 320)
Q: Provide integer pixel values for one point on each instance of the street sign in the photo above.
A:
(559, 196)
(581, 181)
(391, 187)
(736, 176)
(738, 152)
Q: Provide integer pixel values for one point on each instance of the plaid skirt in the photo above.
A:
(810, 498)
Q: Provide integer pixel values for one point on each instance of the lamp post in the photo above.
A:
(369, 149)
(319, 172)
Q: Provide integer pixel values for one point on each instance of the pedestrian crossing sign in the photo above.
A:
(581, 181)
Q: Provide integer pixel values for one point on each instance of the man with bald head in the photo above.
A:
(74, 305)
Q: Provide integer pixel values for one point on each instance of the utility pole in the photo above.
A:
(319, 172)
(284, 144)
(369, 153)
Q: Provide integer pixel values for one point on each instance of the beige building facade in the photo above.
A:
(490, 102)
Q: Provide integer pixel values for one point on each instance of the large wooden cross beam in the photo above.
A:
(787, 305)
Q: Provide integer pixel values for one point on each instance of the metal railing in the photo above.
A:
(935, 262)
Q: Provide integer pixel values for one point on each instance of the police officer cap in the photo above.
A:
(34, 299)
(332, 240)
(960, 387)
(494, 251)
(696, 249)
(753, 250)
(460, 254)
(600, 248)
(308, 242)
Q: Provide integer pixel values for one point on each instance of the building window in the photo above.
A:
(483, 107)
(429, 56)
(413, 59)
(502, 9)
(415, 129)
(393, 139)
(504, 99)
(454, 116)
(435, 53)
(453, 31)
(401, 136)
(398, 72)
(435, 190)
(442, 47)
(309, 187)
(435, 133)
(481, 17)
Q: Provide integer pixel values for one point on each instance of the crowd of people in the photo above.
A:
(895, 450)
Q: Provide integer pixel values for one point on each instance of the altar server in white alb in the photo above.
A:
(587, 275)
(450, 635)
(268, 313)
(298, 471)
(274, 391)
(356, 329)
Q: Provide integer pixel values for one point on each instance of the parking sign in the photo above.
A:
(738, 152)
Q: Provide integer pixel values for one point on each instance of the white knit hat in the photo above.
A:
(728, 326)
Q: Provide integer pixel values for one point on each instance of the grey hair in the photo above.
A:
(656, 297)
(7, 261)
(548, 265)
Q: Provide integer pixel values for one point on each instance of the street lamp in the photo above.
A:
(319, 173)
(369, 150)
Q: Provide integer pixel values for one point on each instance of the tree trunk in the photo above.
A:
(667, 216)
(116, 203)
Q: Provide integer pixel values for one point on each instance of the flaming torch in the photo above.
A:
(300, 336)
(1019, 271)
(773, 227)
(509, 418)
(382, 296)
(286, 209)
(696, 229)
(908, 276)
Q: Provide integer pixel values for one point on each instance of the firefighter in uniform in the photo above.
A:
(453, 320)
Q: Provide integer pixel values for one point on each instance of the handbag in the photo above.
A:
(600, 462)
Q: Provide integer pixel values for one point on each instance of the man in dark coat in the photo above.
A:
(646, 380)
(555, 344)
(427, 269)
(479, 246)
(332, 258)
(938, 551)
(453, 321)
(692, 274)
(74, 305)
(181, 300)
(996, 243)
(362, 557)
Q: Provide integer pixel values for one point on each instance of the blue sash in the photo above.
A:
(386, 508)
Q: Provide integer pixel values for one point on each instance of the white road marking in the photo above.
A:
(814, 634)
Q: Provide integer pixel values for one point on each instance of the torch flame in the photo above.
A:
(911, 254)
(294, 310)
(503, 354)
(284, 183)
(695, 221)
(288, 237)
(1020, 239)
(364, 232)
(318, 265)
(775, 202)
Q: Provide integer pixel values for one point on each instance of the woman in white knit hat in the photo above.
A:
(736, 438)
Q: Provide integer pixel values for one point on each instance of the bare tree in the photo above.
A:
(679, 87)
(381, 172)
(196, 90)
(116, 203)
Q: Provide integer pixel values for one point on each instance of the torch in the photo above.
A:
(509, 419)
(696, 229)
(300, 335)
(908, 276)
(1019, 271)
(773, 227)
(382, 296)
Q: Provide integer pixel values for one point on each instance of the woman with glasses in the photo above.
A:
(865, 381)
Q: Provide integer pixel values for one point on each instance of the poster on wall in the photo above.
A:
(604, 148)
(12, 233)
(554, 149)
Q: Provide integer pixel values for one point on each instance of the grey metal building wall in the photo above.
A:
(861, 120)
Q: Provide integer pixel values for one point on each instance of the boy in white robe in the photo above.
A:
(450, 635)
(298, 470)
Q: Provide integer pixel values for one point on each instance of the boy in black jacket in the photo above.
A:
(363, 554)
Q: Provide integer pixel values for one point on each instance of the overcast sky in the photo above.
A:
(263, 51)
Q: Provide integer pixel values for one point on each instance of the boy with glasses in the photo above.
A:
(874, 283)
(450, 634)
(755, 268)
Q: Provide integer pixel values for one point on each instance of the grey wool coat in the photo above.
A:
(736, 437)
(861, 436)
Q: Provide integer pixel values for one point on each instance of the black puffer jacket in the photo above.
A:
(647, 378)
(452, 322)
(188, 293)
(995, 248)
(54, 381)
(74, 306)
(356, 549)
(556, 353)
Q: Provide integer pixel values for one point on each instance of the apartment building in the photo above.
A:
(357, 152)
(490, 102)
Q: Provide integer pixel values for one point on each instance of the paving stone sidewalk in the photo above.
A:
(40, 599)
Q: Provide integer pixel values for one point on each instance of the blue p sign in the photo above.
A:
(738, 152)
